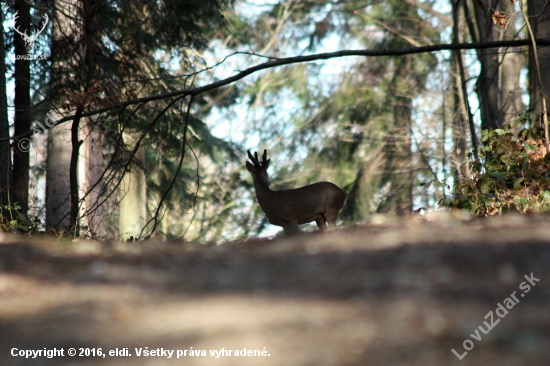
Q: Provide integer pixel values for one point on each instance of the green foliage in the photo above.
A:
(14, 219)
(512, 174)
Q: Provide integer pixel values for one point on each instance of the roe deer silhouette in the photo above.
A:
(320, 202)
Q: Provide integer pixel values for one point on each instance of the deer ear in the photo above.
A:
(250, 167)
(264, 167)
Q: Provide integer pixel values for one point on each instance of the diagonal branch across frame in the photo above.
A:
(300, 59)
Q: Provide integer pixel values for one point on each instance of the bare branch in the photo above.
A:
(543, 114)
(307, 58)
(155, 219)
(28, 3)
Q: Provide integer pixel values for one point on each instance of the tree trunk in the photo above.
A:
(539, 14)
(511, 65)
(462, 116)
(65, 73)
(5, 151)
(398, 170)
(459, 159)
(22, 103)
(58, 203)
(133, 209)
(487, 87)
(91, 168)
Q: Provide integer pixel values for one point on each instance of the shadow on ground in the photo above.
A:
(394, 294)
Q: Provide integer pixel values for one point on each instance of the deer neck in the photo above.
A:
(262, 188)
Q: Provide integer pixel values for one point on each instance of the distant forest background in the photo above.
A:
(128, 119)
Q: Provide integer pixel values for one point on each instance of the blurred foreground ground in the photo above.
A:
(388, 294)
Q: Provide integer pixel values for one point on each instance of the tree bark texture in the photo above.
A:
(58, 204)
(487, 87)
(460, 129)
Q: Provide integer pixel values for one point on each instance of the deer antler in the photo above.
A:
(256, 161)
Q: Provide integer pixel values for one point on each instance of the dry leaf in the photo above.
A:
(500, 17)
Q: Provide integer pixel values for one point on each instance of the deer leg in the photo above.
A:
(291, 228)
(321, 222)
(331, 219)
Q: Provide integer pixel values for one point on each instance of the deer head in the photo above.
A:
(29, 40)
(320, 202)
(257, 168)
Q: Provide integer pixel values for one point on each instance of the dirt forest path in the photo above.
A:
(389, 294)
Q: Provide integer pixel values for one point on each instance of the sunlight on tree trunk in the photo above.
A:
(91, 168)
(133, 193)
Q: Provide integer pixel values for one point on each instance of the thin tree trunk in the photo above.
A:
(460, 125)
(5, 151)
(460, 78)
(461, 114)
(22, 101)
(539, 14)
(73, 172)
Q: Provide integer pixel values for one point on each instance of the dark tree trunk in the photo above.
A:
(5, 151)
(539, 15)
(487, 87)
(22, 103)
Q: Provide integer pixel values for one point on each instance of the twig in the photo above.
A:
(301, 59)
(543, 113)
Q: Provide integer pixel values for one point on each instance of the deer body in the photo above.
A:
(320, 202)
